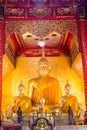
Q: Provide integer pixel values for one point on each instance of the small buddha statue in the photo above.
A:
(69, 100)
(7, 116)
(80, 118)
(22, 101)
(44, 85)
(42, 102)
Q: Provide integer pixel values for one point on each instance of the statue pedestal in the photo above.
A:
(62, 120)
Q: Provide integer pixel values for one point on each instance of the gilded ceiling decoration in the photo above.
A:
(42, 8)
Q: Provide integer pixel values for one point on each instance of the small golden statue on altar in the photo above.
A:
(42, 104)
(80, 118)
(7, 116)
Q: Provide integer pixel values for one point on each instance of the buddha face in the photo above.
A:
(21, 90)
(43, 67)
(67, 90)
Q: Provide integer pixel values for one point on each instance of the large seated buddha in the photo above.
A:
(44, 86)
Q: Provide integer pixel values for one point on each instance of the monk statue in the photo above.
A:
(69, 100)
(22, 101)
(44, 86)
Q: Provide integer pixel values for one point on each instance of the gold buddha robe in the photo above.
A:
(72, 101)
(46, 87)
(23, 102)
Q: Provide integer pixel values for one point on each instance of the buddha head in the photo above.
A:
(43, 67)
(8, 112)
(21, 89)
(67, 88)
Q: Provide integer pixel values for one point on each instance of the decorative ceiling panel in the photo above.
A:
(14, 11)
(40, 11)
(37, 8)
(66, 11)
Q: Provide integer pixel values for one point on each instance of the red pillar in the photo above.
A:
(82, 33)
(2, 43)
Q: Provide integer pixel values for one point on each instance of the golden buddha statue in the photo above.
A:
(80, 118)
(7, 116)
(69, 100)
(22, 101)
(44, 86)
